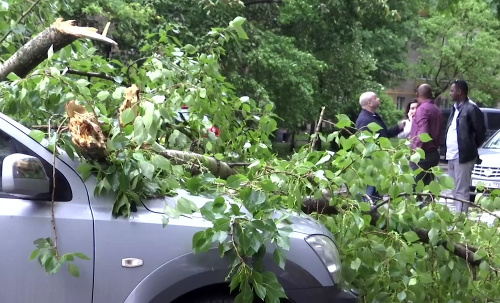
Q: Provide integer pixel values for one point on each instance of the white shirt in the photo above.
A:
(452, 138)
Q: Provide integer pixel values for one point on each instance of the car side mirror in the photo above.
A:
(24, 175)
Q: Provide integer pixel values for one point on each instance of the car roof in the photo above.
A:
(483, 109)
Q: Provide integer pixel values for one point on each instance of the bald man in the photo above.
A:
(370, 103)
(428, 119)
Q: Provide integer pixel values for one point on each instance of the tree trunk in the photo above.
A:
(217, 168)
(58, 35)
(322, 206)
(292, 141)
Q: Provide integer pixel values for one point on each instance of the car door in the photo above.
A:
(25, 219)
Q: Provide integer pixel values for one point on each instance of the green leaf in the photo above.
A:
(74, 270)
(190, 49)
(203, 93)
(186, 206)
(13, 77)
(37, 135)
(238, 21)
(82, 82)
(425, 137)
(50, 52)
(234, 181)
(374, 127)
(402, 296)
(161, 162)
(34, 254)
(413, 281)
(165, 220)
(172, 212)
(279, 257)
(274, 288)
(356, 264)
(411, 236)
(81, 256)
(245, 295)
(433, 236)
(147, 169)
(103, 95)
(128, 115)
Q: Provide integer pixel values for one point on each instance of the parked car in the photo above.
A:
(132, 259)
(491, 121)
(488, 171)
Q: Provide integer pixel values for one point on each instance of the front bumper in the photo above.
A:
(327, 294)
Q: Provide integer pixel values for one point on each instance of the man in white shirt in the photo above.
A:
(465, 132)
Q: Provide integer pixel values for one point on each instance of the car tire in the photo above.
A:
(212, 299)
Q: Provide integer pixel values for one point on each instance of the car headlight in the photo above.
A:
(327, 251)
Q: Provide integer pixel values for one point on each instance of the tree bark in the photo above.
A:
(217, 168)
(463, 251)
(58, 35)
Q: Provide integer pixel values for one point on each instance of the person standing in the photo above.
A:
(370, 103)
(428, 119)
(411, 108)
(465, 132)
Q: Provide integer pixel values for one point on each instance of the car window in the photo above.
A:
(493, 142)
(8, 146)
(493, 121)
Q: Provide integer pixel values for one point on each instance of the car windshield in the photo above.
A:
(493, 142)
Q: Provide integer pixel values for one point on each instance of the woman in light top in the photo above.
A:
(411, 108)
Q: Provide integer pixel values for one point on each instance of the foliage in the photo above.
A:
(398, 249)
(461, 45)
(388, 110)
(49, 259)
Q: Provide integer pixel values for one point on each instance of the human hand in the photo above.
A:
(402, 124)
(410, 116)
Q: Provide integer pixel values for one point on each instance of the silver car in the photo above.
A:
(134, 259)
(488, 172)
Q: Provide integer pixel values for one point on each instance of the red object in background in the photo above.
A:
(214, 130)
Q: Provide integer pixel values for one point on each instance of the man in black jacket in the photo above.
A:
(465, 132)
(370, 103)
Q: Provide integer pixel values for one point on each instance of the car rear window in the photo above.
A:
(493, 121)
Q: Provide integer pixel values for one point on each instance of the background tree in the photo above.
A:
(461, 43)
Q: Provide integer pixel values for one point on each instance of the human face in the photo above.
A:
(413, 109)
(374, 102)
(454, 93)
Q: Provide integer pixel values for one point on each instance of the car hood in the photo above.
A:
(301, 222)
(489, 157)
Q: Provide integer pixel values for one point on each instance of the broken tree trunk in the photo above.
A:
(217, 168)
(322, 206)
(58, 35)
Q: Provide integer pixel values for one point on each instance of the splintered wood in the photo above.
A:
(86, 133)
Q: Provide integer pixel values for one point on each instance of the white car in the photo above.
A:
(488, 172)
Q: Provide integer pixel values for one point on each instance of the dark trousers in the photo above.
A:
(373, 193)
(431, 160)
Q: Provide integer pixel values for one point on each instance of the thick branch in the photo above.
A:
(316, 131)
(58, 35)
(216, 167)
(463, 251)
(94, 75)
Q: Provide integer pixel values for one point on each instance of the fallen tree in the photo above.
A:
(131, 134)
(57, 36)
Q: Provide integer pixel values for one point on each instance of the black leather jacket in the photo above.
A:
(471, 131)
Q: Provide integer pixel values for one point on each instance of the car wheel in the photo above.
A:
(211, 299)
